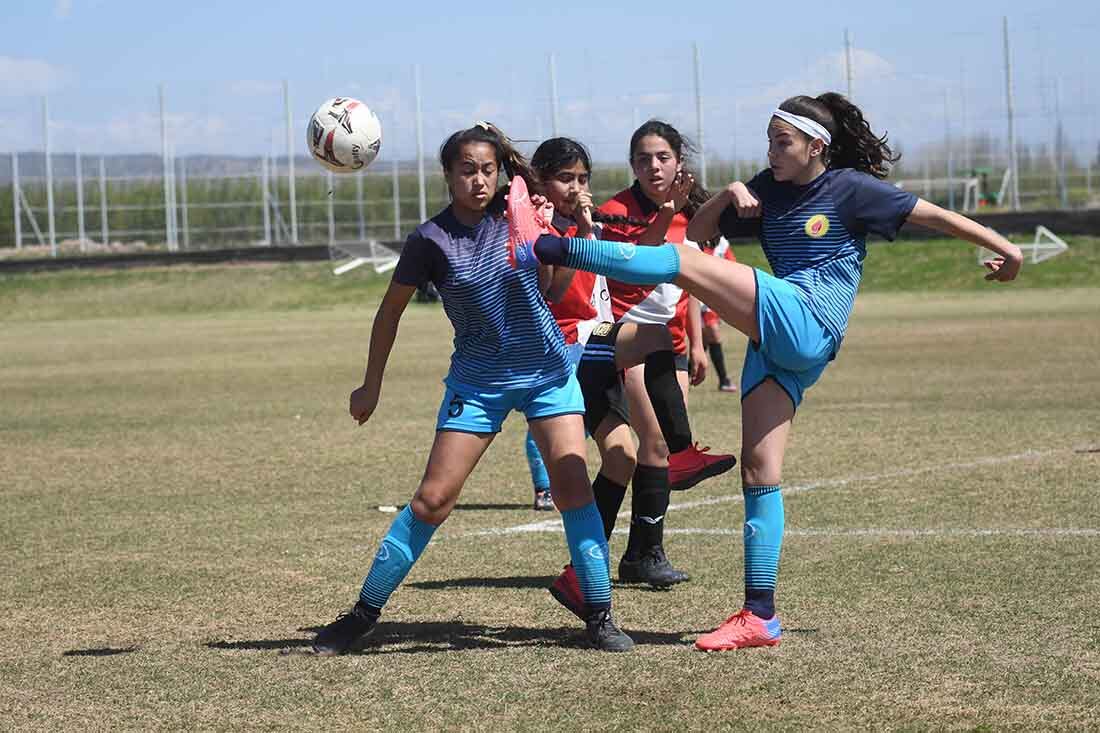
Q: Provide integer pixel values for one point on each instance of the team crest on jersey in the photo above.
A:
(817, 226)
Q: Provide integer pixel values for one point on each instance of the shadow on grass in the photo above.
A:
(100, 652)
(515, 581)
(473, 507)
(498, 507)
(450, 636)
(524, 581)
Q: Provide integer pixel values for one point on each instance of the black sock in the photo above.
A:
(667, 399)
(718, 359)
(648, 504)
(609, 498)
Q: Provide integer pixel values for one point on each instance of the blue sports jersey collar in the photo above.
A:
(448, 215)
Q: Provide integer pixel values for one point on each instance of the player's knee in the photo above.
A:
(755, 471)
(433, 502)
(654, 337)
(618, 462)
(653, 452)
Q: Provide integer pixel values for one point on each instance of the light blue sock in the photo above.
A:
(588, 551)
(400, 548)
(763, 541)
(625, 262)
(539, 478)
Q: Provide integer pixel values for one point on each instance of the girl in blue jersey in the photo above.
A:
(812, 210)
(509, 355)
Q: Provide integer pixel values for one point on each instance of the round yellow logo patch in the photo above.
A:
(817, 226)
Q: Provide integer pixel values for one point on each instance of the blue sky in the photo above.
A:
(918, 68)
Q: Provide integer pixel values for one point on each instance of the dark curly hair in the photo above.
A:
(561, 152)
(854, 144)
(684, 151)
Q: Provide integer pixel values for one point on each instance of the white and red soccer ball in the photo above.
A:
(344, 135)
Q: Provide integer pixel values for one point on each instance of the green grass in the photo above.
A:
(186, 498)
(921, 266)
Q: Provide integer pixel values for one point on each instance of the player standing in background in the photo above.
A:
(509, 355)
(712, 326)
(664, 196)
(602, 349)
(812, 209)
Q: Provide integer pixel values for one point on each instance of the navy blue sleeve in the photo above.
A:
(417, 265)
(868, 205)
(730, 225)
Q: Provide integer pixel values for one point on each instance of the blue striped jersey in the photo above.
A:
(505, 336)
(815, 236)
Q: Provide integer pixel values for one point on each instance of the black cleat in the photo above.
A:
(347, 633)
(652, 567)
(604, 634)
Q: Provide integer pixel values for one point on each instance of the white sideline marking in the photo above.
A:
(554, 525)
(889, 532)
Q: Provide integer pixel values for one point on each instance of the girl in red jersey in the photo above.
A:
(580, 302)
(655, 209)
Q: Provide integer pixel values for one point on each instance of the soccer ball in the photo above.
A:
(344, 135)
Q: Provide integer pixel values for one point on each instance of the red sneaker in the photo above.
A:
(567, 591)
(525, 225)
(693, 464)
(742, 629)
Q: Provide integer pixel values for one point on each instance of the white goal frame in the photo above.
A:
(351, 255)
(1046, 245)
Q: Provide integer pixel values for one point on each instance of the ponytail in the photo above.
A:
(508, 158)
(854, 144)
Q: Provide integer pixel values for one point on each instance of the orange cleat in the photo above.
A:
(742, 629)
(525, 224)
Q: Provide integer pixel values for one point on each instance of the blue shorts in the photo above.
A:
(794, 346)
(468, 409)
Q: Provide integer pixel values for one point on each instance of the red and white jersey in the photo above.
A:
(661, 304)
(586, 303)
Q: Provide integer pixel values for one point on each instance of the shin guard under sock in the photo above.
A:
(763, 542)
(667, 399)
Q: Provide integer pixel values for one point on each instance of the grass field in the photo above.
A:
(187, 500)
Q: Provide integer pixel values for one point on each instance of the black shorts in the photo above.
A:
(682, 362)
(601, 384)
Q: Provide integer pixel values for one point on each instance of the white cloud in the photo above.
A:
(22, 77)
(62, 9)
(827, 73)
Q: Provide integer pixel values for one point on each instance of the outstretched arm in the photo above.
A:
(365, 398)
(1002, 268)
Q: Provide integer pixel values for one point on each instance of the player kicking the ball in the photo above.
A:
(812, 210)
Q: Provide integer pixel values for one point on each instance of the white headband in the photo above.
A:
(813, 128)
